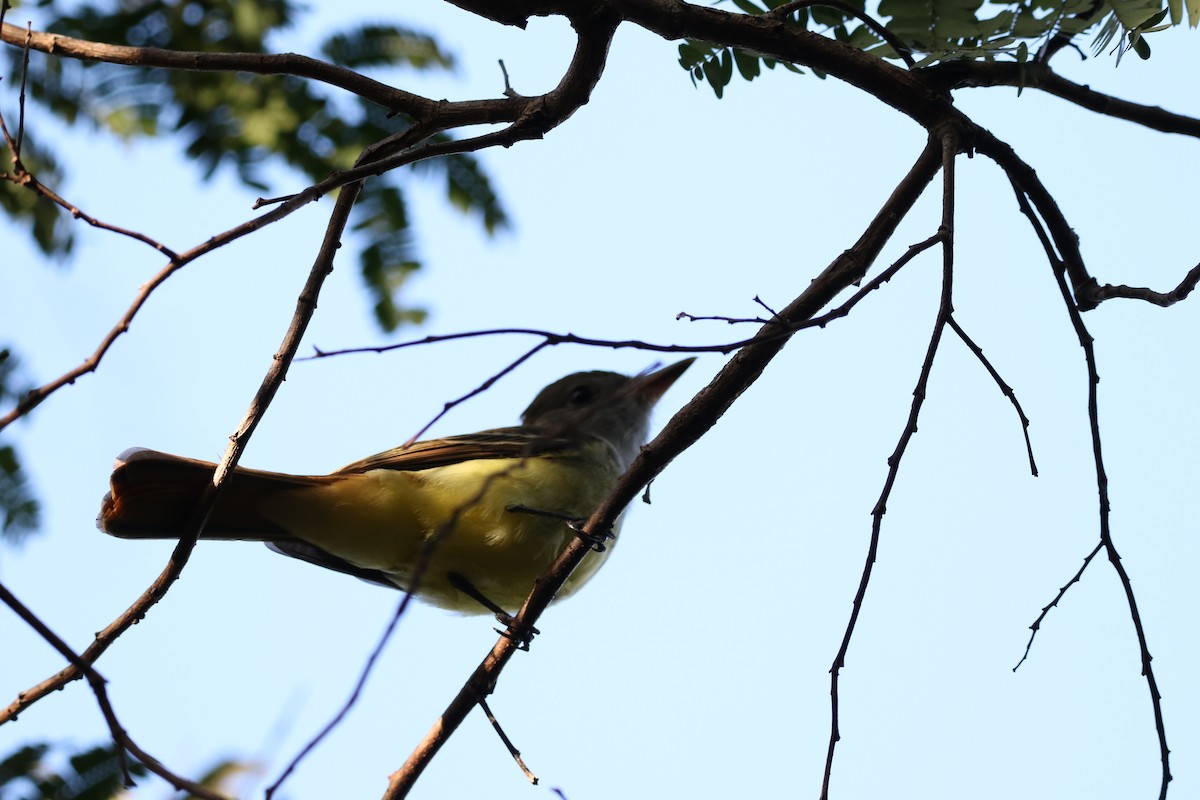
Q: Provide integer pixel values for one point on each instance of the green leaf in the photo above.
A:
(385, 45)
(726, 63)
(249, 124)
(18, 506)
(1141, 47)
(747, 63)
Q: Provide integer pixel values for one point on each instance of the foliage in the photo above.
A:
(31, 773)
(93, 774)
(948, 30)
(18, 506)
(244, 122)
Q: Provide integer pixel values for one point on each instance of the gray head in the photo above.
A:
(609, 406)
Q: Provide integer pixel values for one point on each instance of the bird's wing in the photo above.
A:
(497, 443)
(315, 555)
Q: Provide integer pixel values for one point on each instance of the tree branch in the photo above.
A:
(688, 425)
(306, 304)
(1036, 75)
(121, 738)
(1106, 541)
(1163, 299)
(948, 147)
(1005, 389)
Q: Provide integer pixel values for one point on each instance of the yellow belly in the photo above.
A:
(385, 519)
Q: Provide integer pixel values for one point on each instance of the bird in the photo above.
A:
(486, 512)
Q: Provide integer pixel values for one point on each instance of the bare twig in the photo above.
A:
(305, 307)
(1164, 299)
(483, 387)
(551, 338)
(1086, 342)
(123, 742)
(1037, 623)
(949, 150)
(762, 303)
(512, 750)
(25, 178)
(1074, 309)
(359, 685)
(508, 90)
(1005, 389)
(21, 97)
(726, 320)
(415, 580)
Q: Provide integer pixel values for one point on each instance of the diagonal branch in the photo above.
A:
(688, 425)
(1064, 238)
(1005, 389)
(1036, 625)
(124, 743)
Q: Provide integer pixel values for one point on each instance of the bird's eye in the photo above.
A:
(580, 396)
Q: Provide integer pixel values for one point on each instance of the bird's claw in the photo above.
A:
(509, 631)
(595, 539)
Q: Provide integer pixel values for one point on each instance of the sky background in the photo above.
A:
(696, 664)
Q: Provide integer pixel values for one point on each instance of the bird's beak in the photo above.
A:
(653, 385)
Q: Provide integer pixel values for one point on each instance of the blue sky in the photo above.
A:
(696, 664)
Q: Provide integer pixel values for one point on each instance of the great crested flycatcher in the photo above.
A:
(498, 501)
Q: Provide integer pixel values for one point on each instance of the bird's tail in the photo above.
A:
(153, 496)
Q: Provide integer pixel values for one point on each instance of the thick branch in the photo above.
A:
(1036, 75)
(259, 63)
(1065, 240)
(688, 425)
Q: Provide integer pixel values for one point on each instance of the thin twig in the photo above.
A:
(21, 96)
(1086, 341)
(551, 338)
(413, 588)
(512, 750)
(763, 303)
(359, 685)
(1163, 299)
(483, 387)
(30, 181)
(1005, 389)
(122, 742)
(1114, 558)
(949, 150)
(305, 307)
(1037, 623)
